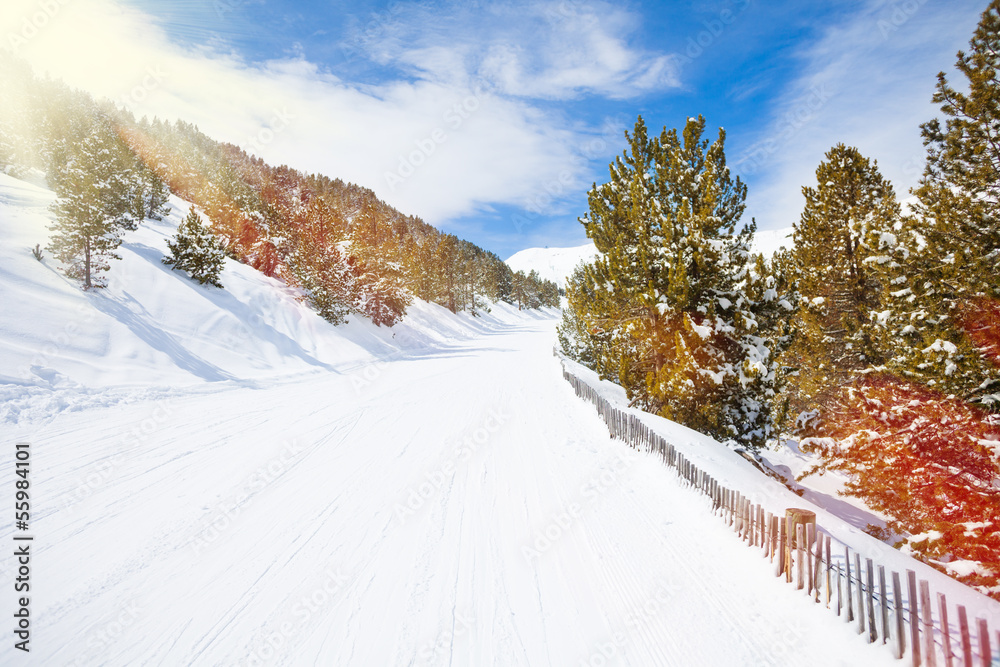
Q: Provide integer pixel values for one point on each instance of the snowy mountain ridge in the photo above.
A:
(556, 264)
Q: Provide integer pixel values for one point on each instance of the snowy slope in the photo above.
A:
(769, 241)
(221, 478)
(556, 264)
(459, 508)
(155, 329)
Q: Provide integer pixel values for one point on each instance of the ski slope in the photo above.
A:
(461, 507)
(222, 478)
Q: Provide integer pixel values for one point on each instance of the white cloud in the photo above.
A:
(867, 83)
(560, 49)
(467, 146)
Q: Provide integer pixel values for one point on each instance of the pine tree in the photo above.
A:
(195, 250)
(847, 216)
(942, 263)
(94, 205)
(667, 302)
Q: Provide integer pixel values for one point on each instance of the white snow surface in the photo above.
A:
(556, 264)
(222, 478)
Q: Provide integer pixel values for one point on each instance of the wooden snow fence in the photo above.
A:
(886, 607)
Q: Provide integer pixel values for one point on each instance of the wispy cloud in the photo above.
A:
(562, 49)
(868, 83)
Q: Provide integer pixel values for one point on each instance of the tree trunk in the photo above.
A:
(86, 264)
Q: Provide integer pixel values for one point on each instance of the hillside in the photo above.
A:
(155, 330)
(554, 264)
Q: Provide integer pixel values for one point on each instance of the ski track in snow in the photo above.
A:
(317, 554)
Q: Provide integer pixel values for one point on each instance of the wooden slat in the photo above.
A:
(829, 564)
(963, 631)
(945, 631)
(897, 603)
(884, 606)
(799, 540)
(847, 578)
(818, 566)
(930, 655)
(810, 538)
(985, 655)
(861, 595)
(870, 598)
(911, 585)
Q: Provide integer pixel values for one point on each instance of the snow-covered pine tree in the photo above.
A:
(378, 291)
(847, 217)
(195, 250)
(151, 195)
(942, 263)
(94, 207)
(668, 301)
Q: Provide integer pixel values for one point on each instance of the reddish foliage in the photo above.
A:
(264, 257)
(980, 321)
(928, 462)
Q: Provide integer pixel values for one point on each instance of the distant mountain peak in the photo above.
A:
(556, 264)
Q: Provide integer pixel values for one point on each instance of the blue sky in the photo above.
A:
(490, 120)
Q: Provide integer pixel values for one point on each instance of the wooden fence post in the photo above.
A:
(782, 549)
(829, 564)
(963, 631)
(985, 655)
(897, 602)
(911, 584)
(810, 538)
(861, 593)
(799, 539)
(818, 566)
(925, 603)
(850, 592)
(870, 578)
(884, 604)
(945, 630)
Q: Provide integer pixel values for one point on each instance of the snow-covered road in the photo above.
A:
(460, 508)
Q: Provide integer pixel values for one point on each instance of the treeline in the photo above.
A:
(874, 340)
(347, 250)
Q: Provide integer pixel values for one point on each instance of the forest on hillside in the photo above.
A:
(874, 340)
(348, 251)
